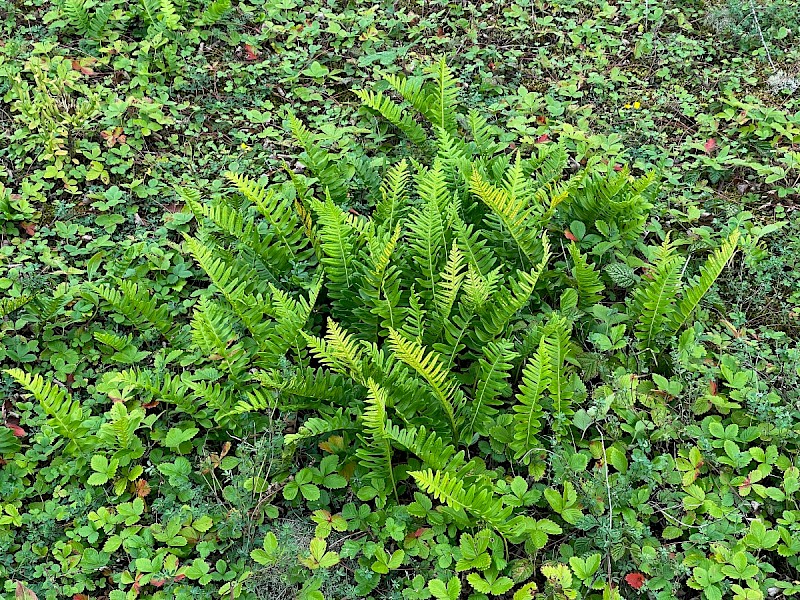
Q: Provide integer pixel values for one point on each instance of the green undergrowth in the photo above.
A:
(293, 309)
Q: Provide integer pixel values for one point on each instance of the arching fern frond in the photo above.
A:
(654, 299)
(509, 300)
(709, 273)
(65, 412)
(491, 386)
(428, 446)
(475, 499)
(339, 350)
(587, 279)
(536, 379)
(134, 301)
(317, 426)
(431, 368)
(215, 11)
(394, 113)
(393, 205)
(376, 453)
(511, 208)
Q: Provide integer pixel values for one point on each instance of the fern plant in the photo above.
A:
(451, 317)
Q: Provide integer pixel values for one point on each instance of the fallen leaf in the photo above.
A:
(712, 388)
(24, 593)
(142, 488)
(570, 236)
(250, 53)
(710, 144)
(635, 580)
(17, 430)
(28, 228)
(543, 138)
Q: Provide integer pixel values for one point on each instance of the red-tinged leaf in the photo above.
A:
(570, 236)
(70, 379)
(28, 228)
(512, 145)
(250, 53)
(142, 488)
(617, 167)
(180, 577)
(157, 582)
(712, 387)
(541, 119)
(136, 587)
(80, 597)
(744, 488)
(710, 144)
(76, 64)
(418, 533)
(17, 430)
(543, 138)
(24, 593)
(635, 580)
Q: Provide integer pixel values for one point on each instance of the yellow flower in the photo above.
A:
(627, 106)
(637, 105)
(244, 147)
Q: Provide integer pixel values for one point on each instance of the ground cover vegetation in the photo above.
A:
(399, 300)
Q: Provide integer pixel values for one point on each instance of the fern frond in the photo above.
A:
(431, 368)
(65, 412)
(512, 209)
(587, 279)
(428, 446)
(393, 205)
(338, 244)
(413, 90)
(536, 379)
(449, 285)
(426, 245)
(77, 14)
(483, 134)
(376, 455)
(509, 300)
(117, 342)
(286, 224)
(215, 11)
(317, 426)
(475, 499)
(491, 385)
(216, 339)
(168, 15)
(9, 305)
(709, 273)
(380, 289)
(395, 114)
(232, 279)
(157, 385)
(654, 301)
(444, 98)
(135, 302)
(319, 161)
(558, 347)
(339, 351)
